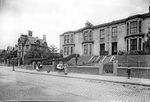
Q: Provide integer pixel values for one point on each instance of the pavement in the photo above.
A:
(115, 79)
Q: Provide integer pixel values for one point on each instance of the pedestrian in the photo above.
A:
(65, 69)
(129, 72)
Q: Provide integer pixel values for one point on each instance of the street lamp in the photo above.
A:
(13, 65)
(13, 61)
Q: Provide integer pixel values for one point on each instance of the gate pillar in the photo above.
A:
(101, 65)
(115, 65)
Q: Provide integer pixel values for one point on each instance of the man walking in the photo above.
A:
(65, 69)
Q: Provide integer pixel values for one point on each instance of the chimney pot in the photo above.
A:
(29, 32)
(44, 37)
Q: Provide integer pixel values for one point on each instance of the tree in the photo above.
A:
(3, 55)
(53, 49)
(34, 53)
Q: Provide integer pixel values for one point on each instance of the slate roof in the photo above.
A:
(31, 40)
(143, 16)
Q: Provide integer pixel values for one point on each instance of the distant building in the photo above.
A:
(28, 42)
(126, 35)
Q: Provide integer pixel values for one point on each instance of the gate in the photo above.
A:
(108, 68)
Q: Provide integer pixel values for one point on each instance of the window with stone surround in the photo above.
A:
(71, 39)
(102, 33)
(71, 48)
(133, 44)
(85, 49)
(65, 50)
(140, 44)
(19, 47)
(85, 36)
(133, 27)
(90, 36)
(90, 50)
(114, 31)
(66, 39)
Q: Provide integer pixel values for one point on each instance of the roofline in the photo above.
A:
(145, 15)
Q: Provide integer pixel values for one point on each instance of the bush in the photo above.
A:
(121, 52)
(137, 53)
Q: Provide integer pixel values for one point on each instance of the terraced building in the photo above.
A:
(125, 35)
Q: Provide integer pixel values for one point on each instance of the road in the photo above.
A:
(27, 86)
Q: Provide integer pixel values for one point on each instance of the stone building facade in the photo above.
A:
(28, 42)
(125, 35)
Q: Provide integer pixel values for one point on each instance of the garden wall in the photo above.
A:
(137, 72)
(84, 69)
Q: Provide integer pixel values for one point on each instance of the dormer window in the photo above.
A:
(133, 27)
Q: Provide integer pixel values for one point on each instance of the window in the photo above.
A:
(85, 49)
(90, 36)
(127, 45)
(65, 50)
(140, 43)
(71, 50)
(102, 33)
(140, 24)
(133, 44)
(67, 38)
(127, 28)
(133, 27)
(114, 31)
(19, 47)
(90, 50)
(71, 39)
(85, 36)
(19, 53)
(27, 46)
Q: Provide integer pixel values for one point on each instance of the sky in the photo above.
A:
(54, 17)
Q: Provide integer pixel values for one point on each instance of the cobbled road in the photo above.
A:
(28, 86)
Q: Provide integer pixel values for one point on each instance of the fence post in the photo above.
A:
(115, 65)
(101, 66)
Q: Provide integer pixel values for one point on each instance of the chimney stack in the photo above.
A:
(29, 33)
(44, 37)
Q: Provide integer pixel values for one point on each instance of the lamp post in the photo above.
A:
(13, 61)
(13, 65)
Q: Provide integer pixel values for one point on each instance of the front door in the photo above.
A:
(102, 49)
(114, 48)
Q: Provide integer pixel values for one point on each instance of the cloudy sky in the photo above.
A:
(53, 17)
